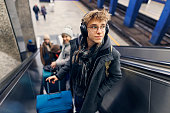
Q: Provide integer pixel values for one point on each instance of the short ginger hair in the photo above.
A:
(96, 14)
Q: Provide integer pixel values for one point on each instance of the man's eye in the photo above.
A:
(103, 26)
(94, 27)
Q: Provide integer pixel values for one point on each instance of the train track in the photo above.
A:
(143, 24)
(142, 21)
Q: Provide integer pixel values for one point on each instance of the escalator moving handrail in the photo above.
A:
(147, 60)
(13, 77)
(161, 73)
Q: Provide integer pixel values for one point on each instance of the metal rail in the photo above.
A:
(13, 77)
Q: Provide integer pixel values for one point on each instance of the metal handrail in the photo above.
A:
(8, 83)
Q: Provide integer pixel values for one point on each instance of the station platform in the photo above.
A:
(71, 13)
(152, 9)
(139, 35)
(64, 13)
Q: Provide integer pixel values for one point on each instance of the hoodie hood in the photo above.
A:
(106, 43)
(80, 40)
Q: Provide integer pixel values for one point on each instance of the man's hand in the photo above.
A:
(52, 79)
(53, 64)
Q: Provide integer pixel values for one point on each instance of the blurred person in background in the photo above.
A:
(31, 47)
(45, 50)
(43, 11)
(64, 56)
(55, 52)
(36, 11)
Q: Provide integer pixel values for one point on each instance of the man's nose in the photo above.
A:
(99, 30)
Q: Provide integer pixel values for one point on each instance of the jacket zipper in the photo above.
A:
(92, 71)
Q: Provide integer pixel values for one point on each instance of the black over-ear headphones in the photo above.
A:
(83, 28)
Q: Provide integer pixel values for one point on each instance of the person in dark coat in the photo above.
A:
(36, 11)
(31, 47)
(45, 51)
(90, 78)
(43, 11)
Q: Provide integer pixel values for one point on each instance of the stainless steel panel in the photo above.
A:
(160, 97)
(156, 54)
(22, 98)
(130, 95)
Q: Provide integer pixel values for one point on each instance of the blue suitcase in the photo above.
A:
(53, 87)
(60, 102)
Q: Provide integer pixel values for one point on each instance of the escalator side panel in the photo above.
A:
(155, 54)
(22, 98)
(130, 95)
(160, 99)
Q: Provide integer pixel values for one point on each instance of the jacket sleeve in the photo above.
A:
(63, 71)
(41, 55)
(113, 77)
(62, 61)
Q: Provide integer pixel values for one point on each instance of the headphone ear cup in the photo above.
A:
(107, 29)
(83, 30)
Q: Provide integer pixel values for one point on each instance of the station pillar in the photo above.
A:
(100, 3)
(17, 31)
(132, 12)
(162, 25)
(112, 8)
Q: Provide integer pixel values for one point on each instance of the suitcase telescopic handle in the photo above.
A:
(48, 87)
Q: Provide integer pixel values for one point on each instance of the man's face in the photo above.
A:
(96, 31)
(66, 38)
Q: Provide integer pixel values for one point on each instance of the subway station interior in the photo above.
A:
(138, 29)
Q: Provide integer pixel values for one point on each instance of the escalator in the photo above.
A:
(19, 90)
(144, 88)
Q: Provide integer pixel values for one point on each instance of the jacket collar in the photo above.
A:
(105, 49)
